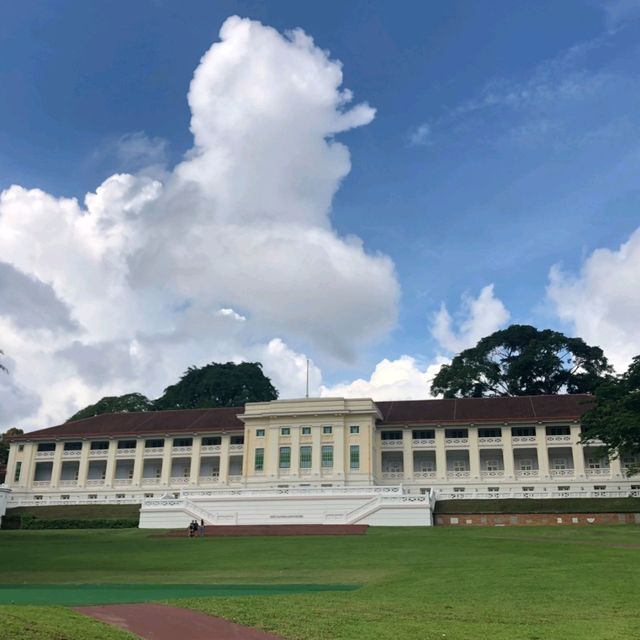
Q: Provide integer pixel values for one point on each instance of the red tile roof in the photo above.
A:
(398, 412)
(485, 410)
(145, 423)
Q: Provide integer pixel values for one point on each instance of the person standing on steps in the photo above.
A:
(201, 529)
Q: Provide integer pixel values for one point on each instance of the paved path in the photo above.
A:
(160, 622)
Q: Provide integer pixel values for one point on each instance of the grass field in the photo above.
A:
(528, 583)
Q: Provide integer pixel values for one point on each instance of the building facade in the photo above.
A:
(462, 448)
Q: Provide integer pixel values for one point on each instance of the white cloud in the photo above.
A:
(602, 302)
(137, 151)
(402, 379)
(156, 272)
(477, 318)
(421, 135)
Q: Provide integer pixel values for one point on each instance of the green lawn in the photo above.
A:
(497, 583)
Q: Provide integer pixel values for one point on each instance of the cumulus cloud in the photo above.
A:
(153, 273)
(602, 302)
(477, 318)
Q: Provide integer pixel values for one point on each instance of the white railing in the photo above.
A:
(562, 473)
(182, 449)
(150, 451)
(604, 471)
(236, 447)
(424, 442)
(496, 440)
(235, 478)
(424, 474)
(122, 482)
(392, 475)
(527, 473)
(149, 482)
(211, 448)
(71, 453)
(68, 483)
(298, 491)
(98, 453)
(457, 442)
(45, 454)
(523, 440)
(492, 474)
(179, 480)
(458, 474)
(565, 438)
(519, 494)
(126, 452)
(391, 444)
(208, 480)
(95, 482)
(41, 483)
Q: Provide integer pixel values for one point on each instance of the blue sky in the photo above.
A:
(505, 141)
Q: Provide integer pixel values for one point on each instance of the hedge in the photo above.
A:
(26, 521)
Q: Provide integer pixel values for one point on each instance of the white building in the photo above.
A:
(317, 459)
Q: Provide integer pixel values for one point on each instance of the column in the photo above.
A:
(138, 463)
(577, 451)
(224, 460)
(195, 459)
(29, 465)
(338, 451)
(57, 465)
(543, 452)
(11, 466)
(441, 455)
(271, 444)
(316, 443)
(615, 464)
(474, 454)
(110, 471)
(507, 453)
(165, 475)
(407, 453)
(83, 468)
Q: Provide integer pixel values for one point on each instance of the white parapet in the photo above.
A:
(4, 499)
(379, 506)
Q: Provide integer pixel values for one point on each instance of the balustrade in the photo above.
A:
(456, 442)
(496, 440)
(179, 480)
(391, 475)
(458, 474)
(45, 454)
(182, 450)
(424, 442)
(151, 451)
(68, 483)
(391, 444)
(98, 453)
(73, 453)
(564, 439)
(211, 448)
(527, 473)
(126, 453)
(562, 473)
(523, 440)
(605, 471)
(41, 483)
(236, 447)
(497, 473)
(93, 482)
(122, 482)
(424, 474)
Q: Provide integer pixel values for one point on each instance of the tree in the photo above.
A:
(115, 404)
(218, 385)
(615, 418)
(522, 360)
(4, 445)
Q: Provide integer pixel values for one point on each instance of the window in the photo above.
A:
(259, 433)
(599, 487)
(126, 444)
(493, 489)
(456, 433)
(212, 441)
(525, 464)
(327, 456)
(354, 429)
(424, 490)
(121, 496)
(459, 465)
(527, 489)
(327, 430)
(146, 495)
(560, 463)
(93, 496)
(391, 435)
(285, 458)
(458, 489)
(594, 463)
(259, 460)
(37, 497)
(489, 433)
(522, 432)
(306, 431)
(424, 434)
(20, 447)
(99, 445)
(16, 475)
(558, 431)
(65, 497)
(157, 443)
(183, 442)
(285, 431)
(354, 456)
(305, 457)
(47, 446)
(72, 446)
(493, 465)
(564, 488)
(237, 440)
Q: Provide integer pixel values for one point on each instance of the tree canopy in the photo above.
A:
(4, 445)
(115, 404)
(522, 360)
(615, 418)
(218, 385)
